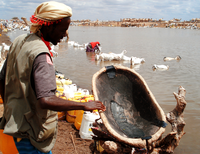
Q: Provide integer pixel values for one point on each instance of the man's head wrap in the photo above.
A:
(47, 13)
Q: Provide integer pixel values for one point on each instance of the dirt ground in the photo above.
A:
(65, 144)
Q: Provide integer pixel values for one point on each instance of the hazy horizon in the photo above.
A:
(112, 10)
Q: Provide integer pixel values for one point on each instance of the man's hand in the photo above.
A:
(93, 105)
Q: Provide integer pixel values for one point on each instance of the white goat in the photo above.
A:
(77, 45)
(118, 56)
(71, 42)
(104, 57)
(136, 60)
(170, 58)
(126, 58)
(160, 67)
(109, 56)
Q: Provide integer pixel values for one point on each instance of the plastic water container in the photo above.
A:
(60, 76)
(78, 94)
(73, 87)
(69, 94)
(61, 115)
(61, 89)
(62, 82)
(85, 92)
(79, 113)
(1, 100)
(71, 116)
(78, 120)
(89, 98)
(89, 118)
(7, 144)
(69, 90)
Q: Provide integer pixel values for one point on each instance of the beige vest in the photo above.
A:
(23, 116)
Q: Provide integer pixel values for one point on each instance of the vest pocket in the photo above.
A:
(41, 128)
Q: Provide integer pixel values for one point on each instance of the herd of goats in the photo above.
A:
(101, 56)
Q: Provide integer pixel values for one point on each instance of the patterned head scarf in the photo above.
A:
(47, 13)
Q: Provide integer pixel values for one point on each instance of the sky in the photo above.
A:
(108, 10)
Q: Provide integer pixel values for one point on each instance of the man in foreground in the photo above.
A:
(27, 82)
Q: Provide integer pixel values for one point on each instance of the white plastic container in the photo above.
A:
(69, 94)
(73, 87)
(85, 131)
(66, 88)
(69, 90)
(85, 92)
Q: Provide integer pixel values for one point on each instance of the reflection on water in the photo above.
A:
(152, 44)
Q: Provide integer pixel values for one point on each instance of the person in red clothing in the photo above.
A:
(93, 44)
(93, 47)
